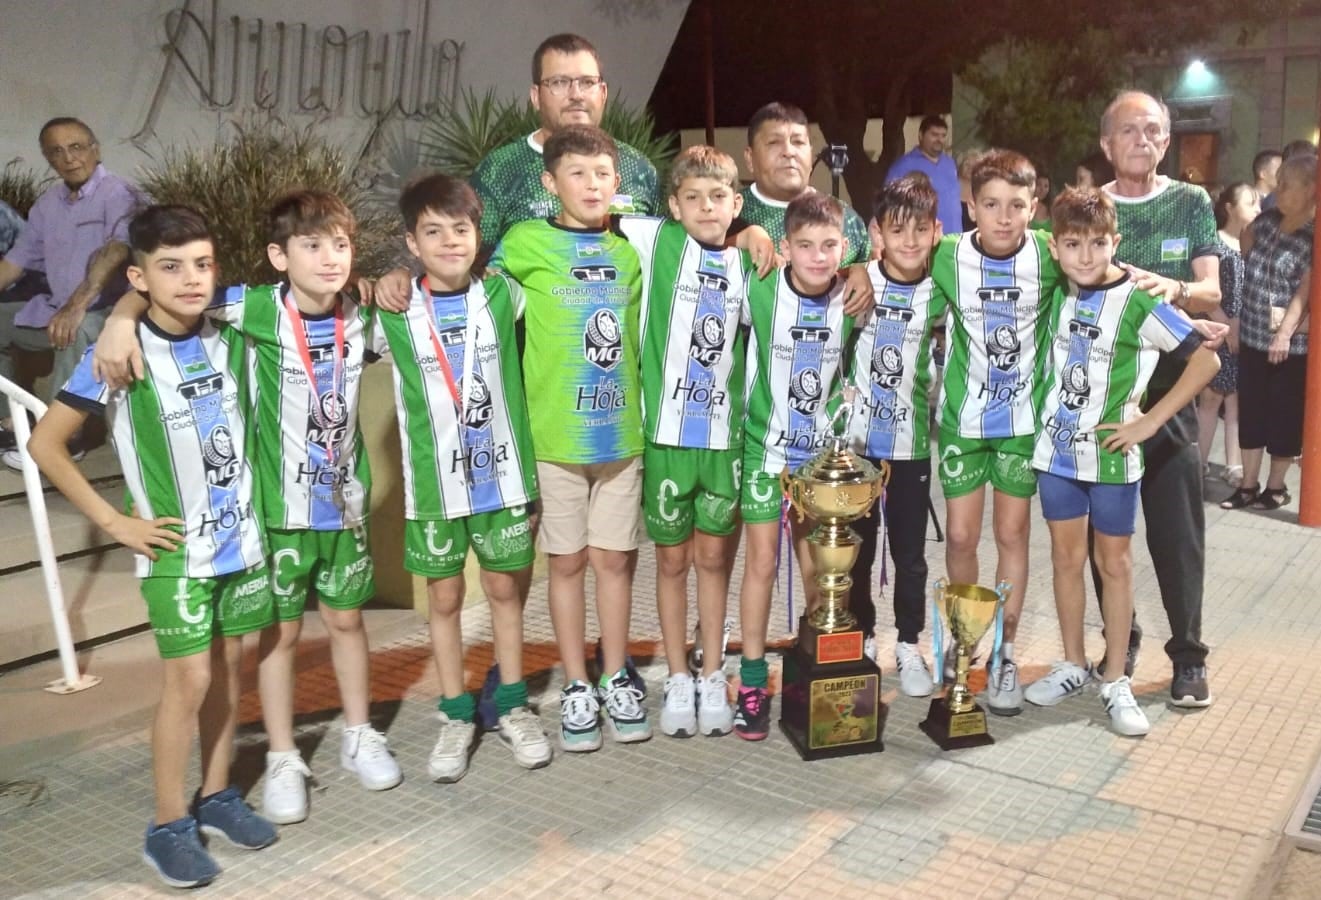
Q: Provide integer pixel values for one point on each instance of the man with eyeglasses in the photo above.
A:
(76, 234)
(567, 89)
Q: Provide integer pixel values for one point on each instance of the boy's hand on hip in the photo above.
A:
(1126, 436)
(145, 535)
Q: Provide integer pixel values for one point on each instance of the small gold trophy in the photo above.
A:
(956, 721)
(831, 704)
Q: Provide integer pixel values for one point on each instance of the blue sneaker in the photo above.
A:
(175, 851)
(634, 676)
(226, 815)
(488, 714)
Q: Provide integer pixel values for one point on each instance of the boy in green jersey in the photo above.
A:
(583, 283)
(307, 342)
(692, 393)
(795, 353)
(1105, 337)
(999, 282)
(179, 435)
(469, 476)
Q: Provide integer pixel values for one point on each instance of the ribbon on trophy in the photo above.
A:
(938, 627)
(1002, 591)
(783, 539)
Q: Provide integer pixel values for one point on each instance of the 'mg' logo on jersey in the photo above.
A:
(887, 366)
(1003, 348)
(805, 392)
(218, 459)
(603, 345)
(1075, 389)
(477, 412)
(708, 340)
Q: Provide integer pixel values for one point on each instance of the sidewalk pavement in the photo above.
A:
(1057, 807)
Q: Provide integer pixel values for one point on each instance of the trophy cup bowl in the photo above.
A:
(968, 610)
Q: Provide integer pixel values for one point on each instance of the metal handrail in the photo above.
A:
(72, 680)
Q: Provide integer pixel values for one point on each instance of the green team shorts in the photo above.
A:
(968, 463)
(685, 488)
(761, 496)
(336, 564)
(187, 614)
(438, 548)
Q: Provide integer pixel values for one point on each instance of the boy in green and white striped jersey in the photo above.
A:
(179, 433)
(469, 472)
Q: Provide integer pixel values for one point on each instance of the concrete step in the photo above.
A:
(100, 463)
(100, 594)
(69, 528)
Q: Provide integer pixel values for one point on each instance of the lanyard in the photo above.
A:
(458, 393)
(299, 329)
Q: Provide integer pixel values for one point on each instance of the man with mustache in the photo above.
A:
(567, 89)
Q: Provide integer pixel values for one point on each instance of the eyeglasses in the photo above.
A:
(69, 152)
(560, 85)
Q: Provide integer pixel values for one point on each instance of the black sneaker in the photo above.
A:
(1189, 688)
(488, 714)
(1130, 661)
(752, 719)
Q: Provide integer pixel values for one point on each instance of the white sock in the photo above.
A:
(1007, 650)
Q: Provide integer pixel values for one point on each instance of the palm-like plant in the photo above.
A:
(20, 186)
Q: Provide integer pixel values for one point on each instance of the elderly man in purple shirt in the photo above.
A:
(929, 158)
(76, 233)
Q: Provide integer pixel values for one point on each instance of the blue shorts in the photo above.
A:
(1113, 507)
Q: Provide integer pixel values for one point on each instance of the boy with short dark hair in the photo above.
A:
(795, 349)
(999, 281)
(583, 284)
(179, 434)
(892, 364)
(308, 340)
(469, 477)
(1106, 335)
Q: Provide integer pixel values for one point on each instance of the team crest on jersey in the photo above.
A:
(1075, 387)
(478, 411)
(586, 251)
(603, 344)
(213, 383)
(805, 392)
(708, 340)
(887, 366)
(325, 353)
(988, 294)
(218, 458)
(1086, 330)
(1003, 348)
(594, 274)
(713, 261)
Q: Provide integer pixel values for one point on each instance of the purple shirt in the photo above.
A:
(63, 232)
(944, 177)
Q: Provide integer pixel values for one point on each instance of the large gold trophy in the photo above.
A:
(956, 721)
(831, 703)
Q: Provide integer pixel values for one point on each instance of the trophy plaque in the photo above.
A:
(955, 721)
(831, 700)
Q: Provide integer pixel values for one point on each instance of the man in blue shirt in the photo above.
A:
(929, 158)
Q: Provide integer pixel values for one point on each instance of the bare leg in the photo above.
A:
(275, 682)
(963, 532)
(1233, 456)
(758, 581)
(1252, 468)
(1114, 557)
(672, 565)
(1068, 557)
(186, 682)
(614, 602)
(348, 654)
(1279, 468)
(507, 592)
(713, 562)
(444, 608)
(568, 610)
(1010, 518)
(220, 713)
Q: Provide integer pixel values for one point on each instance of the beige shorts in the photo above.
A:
(596, 505)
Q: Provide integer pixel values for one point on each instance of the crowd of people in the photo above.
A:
(610, 370)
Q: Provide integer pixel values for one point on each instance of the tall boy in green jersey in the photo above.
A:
(1106, 338)
(583, 284)
(999, 281)
(308, 343)
(179, 434)
(779, 156)
(795, 350)
(567, 89)
(692, 396)
(891, 365)
(469, 472)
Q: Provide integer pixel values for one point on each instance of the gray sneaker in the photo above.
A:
(1004, 692)
(1062, 681)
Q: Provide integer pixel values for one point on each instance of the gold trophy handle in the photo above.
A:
(792, 490)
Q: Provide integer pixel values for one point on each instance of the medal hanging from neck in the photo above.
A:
(458, 390)
(330, 410)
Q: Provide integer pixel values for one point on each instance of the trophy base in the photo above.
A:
(830, 704)
(956, 731)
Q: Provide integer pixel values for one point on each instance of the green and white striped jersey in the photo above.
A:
(458, 462)
(795, 351)
(1104, 348)
(1000, 307)
(892, 364)
(758, 209)
(692, 345)
(312, 469)
(180, 437)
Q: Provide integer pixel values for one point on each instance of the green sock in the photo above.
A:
(605, 680)
(462, 708)
(754, 673)
(509, 697)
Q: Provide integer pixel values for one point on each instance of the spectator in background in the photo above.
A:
(1265, 166)
(1041, 218)
(967, 159)
(1093, 171)
(11, 226)
(1299, 147)
(1237, 206)
(929, 158)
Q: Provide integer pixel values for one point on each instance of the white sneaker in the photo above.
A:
(13, 460)
(1062, 681)
(580, 718)
(363, 751)
(284, 795)
(521, 731)
(679, 714)
(449, 758)
(715, 715)
(626, 717)
(1004, 693)
(869, 647)
(914, 676)
(1126, 717)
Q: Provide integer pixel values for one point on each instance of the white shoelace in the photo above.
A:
(371, 745)
(911, 660)
(578, 708)
(451, 740)
(1120, 696)
(679, 694)
(715, 691)
(287, 768)
(623, 701)
(524, 726)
